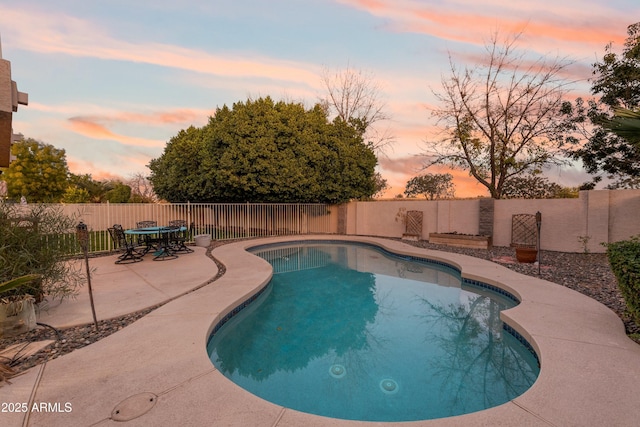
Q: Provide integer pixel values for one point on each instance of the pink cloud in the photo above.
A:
(57, 33)
(87, 127)
(99, 126)
(90, 128)
(570, 24)
(181, 116)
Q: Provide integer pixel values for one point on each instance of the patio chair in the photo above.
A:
(146, 224)
(145, 239)
(122, 244)
(178, 238)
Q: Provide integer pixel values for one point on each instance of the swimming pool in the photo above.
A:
(348, 331)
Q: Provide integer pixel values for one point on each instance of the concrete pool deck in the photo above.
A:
(157, 373)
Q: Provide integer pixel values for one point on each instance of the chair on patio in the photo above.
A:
(149, 242)
(129, 252)
(146, 224)
(178, 238)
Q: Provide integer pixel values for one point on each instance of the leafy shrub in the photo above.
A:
(624, 258)
(30, 243)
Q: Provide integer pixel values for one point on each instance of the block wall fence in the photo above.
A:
(568, 225)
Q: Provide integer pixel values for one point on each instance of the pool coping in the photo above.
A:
(590, 370)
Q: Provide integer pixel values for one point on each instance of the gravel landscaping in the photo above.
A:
(587, 273)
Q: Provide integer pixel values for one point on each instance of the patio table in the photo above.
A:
(163, 251)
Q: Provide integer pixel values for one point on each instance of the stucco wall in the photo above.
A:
(568, 225)
(384, 218)
(624, 215)
(563, 220)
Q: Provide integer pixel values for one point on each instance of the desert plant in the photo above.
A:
(31, 243)
(624, 258)
(584, 242)
(17, 282)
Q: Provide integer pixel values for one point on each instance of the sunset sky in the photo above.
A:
(112, 81)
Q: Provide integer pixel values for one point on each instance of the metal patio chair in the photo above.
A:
(178, 237)
(150, 243)
(129, 252)
(146, 224)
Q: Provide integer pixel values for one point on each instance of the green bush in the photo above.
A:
(31, 243)
(624, 258)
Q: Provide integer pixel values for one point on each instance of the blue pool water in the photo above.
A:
(349, 331)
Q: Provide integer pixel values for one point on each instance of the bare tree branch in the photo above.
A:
(501, 118)
(141, 188)
(354, 96)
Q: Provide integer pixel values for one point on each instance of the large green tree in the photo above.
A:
(266, 151)
(39, 172)
(617, 83)
(501, 118)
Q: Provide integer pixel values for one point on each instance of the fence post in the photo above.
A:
(109, 223)
(189, 222)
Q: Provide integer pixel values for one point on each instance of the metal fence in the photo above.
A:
(222, 221)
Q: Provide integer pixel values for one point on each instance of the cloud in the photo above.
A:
(152, 116)
(180, 116)
(470, 21)
(404, 165)
(100, 122)
(91, 128)
(50, 32)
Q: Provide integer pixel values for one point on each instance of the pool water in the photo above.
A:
(349, 331)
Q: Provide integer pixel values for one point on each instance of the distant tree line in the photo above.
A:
(40, 174)
(533, 186)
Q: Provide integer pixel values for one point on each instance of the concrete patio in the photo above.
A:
(156, 371)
